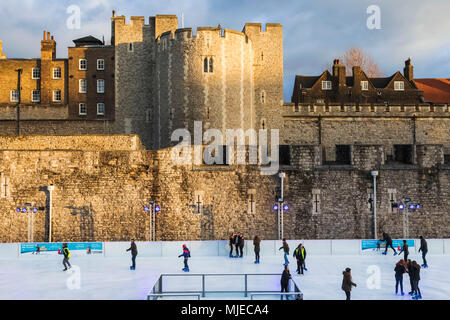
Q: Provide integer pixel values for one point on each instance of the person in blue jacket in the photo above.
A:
(186, 254)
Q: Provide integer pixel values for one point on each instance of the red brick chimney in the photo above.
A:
(48, 47)
(408, 70)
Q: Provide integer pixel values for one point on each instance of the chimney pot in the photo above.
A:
(45, 35)
(114, 13)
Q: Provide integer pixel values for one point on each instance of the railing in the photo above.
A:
(298, 295)
(157, 289)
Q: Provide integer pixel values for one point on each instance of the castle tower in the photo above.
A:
(2, 55)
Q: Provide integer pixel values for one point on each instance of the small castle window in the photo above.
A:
(36, 73)
(100, 109)
(326, 85)
(36, 96)
(263, 123)
(100, 86)
(56, 95)
(57, 73)
(130, 47)
(211, 64)
(82, 110)
(82, 64)
(205, 65)
(263, 97)
(399, 86)
(14, 96)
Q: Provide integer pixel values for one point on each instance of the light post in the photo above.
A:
(407, 205)
(374, 206)
(280, 206)
(153, 208)
(50, 188)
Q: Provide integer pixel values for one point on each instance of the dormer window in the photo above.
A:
(399, 86)
(364, 85)
(326, 85)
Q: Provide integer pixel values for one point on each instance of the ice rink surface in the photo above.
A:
(41, 276)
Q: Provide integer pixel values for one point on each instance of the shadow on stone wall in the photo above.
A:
(86, 221)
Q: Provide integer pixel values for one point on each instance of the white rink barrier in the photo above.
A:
(10, 251)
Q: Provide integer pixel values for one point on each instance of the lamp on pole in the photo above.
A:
(153, 208)
(374, 175)
(50, 188)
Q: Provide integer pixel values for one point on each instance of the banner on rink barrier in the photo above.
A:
(76, 248)
(373, 244)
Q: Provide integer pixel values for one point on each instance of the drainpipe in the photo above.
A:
(374, 175)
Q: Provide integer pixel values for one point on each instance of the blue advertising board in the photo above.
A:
(54, 247)
(372, 244)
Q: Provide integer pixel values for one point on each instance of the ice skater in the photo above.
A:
(66, 253)
(231, 245)
(285, 248)
(134, 253)
(347, 283)
(399, 271)
(405, 250)
(241, 242)
(388, 239)
(300, 255)
(285, 277)
(257, 247)
(236, 244)
(424, 249)
(415, 276)
(186, 254)
(38, 250)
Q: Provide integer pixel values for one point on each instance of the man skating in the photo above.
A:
(134, 253)
(257, 248)
(424, 249)
(285, 276)
(241, 242)
(66, 253)
(388, 239)
(231, 245)
(405, 250)
(285, 248)
(186, 254)
(300, 255)
(347, 283)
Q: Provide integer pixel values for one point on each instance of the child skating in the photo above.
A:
(186, 254)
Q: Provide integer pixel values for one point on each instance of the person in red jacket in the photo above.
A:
(186, 254)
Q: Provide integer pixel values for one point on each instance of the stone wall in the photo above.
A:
(102, 185)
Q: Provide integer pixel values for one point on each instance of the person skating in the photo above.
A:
(285, 277)
(399, 271)
(241, 242)
(134, 253)
(67, 255)
(388, 239)
(300, 255)
(410, 274)
(186, 254)
(405, 250)
(347, 283)
(257, 247)
(231, 245)
(303, 250)
(415, 270)
(424, 249)
(236, 244)
(285, 248)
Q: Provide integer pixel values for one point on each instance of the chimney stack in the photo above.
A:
(48, 47)
(339, 72)
(408, 70)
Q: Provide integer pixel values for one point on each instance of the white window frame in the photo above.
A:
(399, 86)
(100, 64)
(81, 87)
(12, 94)
(33, 71)
(98, 105)
(80, 62)
(79, 109)
(100, 89)
(57, 69)
(54, 96)
(32, 96)
(326, 85)
(364, 85)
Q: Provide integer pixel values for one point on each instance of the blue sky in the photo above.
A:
(315, 31)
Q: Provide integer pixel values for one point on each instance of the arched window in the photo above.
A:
(205, 65)
(211, 64)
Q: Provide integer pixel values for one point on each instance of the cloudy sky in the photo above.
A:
(315, 31)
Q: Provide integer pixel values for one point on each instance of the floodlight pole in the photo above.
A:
(374, 206)
(50, 188)
(152, 221)
(280, 207)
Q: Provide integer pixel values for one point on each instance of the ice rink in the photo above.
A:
(41, 276)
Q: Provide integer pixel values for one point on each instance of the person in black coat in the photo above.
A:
(241, 244)
(300, 255)
(399, 271)
(347, 282)
(285, 277)
(134, 253)
(405, 250)
(415, 276)
(424, 249)
(257, 248)
(236, 244)
(388, 239)
(231, 244)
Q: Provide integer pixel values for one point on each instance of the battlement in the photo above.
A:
(254, 28)
(121, 20)
(344, 110)
(184, 34)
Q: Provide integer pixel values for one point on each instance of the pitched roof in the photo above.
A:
(306, 81)
(381, 83)
(89, 40)
(435, 90)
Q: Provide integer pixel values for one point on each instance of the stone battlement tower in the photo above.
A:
(167, 78)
